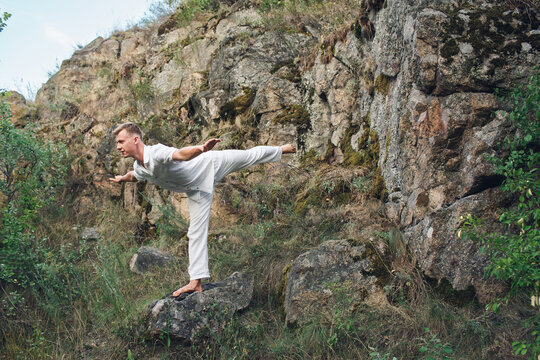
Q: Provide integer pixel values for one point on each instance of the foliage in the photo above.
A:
(433, 348)
(3, 18)
(31, 171)
(515, 253)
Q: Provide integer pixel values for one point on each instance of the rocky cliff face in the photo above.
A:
(405, 90)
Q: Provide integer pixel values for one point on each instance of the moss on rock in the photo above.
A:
(238, 105)
(368, 146)
(382, 84)
(378, 188)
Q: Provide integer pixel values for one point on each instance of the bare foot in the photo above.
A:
(194, 285)
(288, 149)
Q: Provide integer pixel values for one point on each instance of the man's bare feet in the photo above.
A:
(194, 285)
(288, 149)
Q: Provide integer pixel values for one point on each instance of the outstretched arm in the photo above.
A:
(129, 177)
(191, 152)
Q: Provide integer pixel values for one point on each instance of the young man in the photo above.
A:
(194, 170)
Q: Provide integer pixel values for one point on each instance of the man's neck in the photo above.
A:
(139, 156)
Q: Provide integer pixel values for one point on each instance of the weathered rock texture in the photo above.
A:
(196, 314)
(410, 95)
(148, 257)
(337, 273)
(90, 234)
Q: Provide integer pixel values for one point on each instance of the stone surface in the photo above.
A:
(198, 314)
(90, 234)
(319, 278)
(20, 109)
(148, 257)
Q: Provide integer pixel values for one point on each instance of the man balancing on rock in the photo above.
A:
(193, 170)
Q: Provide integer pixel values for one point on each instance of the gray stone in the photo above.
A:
(441, 253)
(200, 313)
(320, 277)
(90, 234)
(148, 257)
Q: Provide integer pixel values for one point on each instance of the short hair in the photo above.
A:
(131, 128)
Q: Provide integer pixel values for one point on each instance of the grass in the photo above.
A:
(106, 320)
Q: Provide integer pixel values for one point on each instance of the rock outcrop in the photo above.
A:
(192, 315)
(409, 96)
(337, 272)
(148, 257)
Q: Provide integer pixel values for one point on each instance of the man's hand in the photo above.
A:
(210, 144)
(129, 177)
(117, 179)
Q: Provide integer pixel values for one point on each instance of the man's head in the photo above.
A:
(128, 139)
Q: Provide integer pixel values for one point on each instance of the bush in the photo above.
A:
(515, 254)
(31, 171)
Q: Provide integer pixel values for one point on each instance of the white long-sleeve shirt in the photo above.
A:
(178, 176)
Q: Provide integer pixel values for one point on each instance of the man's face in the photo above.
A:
(126, 143)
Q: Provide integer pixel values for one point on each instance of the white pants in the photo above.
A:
(200, 203)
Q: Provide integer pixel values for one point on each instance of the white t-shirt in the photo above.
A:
(178, 176)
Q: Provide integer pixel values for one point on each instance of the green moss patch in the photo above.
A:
(293, 114)
(238, 105)
(298, 116)
(382, 84)
(323, 194)
(378, 188)
(493, 30)
(368, 147)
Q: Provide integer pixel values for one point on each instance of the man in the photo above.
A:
(194, 170)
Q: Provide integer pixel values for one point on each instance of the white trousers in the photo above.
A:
(200, 203)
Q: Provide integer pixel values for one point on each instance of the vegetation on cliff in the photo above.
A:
(76, 298)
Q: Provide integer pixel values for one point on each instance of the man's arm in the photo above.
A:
(191, 152)
(129, 177)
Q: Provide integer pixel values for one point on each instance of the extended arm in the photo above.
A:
(191, 152)
(129, 177)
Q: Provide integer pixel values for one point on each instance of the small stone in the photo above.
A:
(90, 234)
(148, 257)
(466, 48)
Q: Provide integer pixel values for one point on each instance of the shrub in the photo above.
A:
(31, 171)
(515, 254)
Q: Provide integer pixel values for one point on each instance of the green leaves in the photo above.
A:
(3, 18)
(515, 253)
(30, 172)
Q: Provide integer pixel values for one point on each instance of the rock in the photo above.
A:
(148, 257)
(197, 314)
(90, 234)
(22, 112)
(337, 268)
(442, 254)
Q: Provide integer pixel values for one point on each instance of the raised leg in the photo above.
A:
(229, 161)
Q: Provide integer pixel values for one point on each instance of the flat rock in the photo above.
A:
(148, 257)
(199, 313)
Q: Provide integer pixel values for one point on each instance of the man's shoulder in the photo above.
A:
(159, 152)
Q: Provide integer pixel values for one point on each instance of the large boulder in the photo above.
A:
(337, 272)
(148, 257)
(197, 314)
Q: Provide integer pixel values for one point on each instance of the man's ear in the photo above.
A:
(136, 139)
